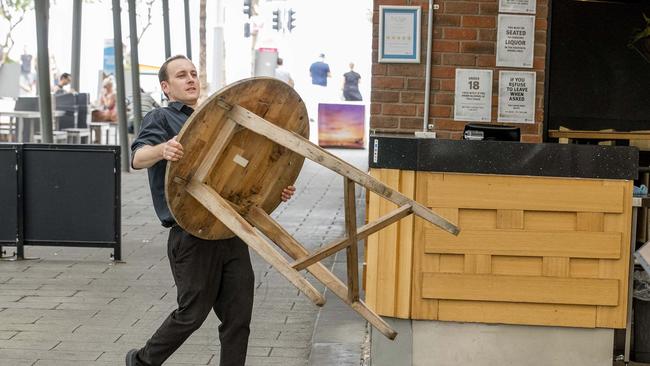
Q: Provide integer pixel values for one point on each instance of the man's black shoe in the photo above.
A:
(130, 357)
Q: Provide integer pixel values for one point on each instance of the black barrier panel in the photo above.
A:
(71, 194)
(8, 194)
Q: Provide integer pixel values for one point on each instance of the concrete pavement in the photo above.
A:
(73, 306)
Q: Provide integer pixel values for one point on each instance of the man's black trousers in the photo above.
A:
(209, 275)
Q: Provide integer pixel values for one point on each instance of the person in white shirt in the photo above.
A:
(282, 74)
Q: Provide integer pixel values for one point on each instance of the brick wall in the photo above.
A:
(465, 34)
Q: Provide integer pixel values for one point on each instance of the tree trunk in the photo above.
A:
(202, 48)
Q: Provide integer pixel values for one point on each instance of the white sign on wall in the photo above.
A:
(515, 40)
(473, 98)
(518, 6)
(516, 96)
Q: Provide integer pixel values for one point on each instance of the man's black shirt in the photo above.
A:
(158, 126)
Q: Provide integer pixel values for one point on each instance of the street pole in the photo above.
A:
(168, 46)
(188, 33)
(135, 68)
(42, 8)
(119, 81)
(76, 44)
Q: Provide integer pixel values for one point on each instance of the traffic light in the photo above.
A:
(292, 19)
(247, 30)
(277, 23)
(248, 10)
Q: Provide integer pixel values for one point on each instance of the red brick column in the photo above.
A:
(465, 34)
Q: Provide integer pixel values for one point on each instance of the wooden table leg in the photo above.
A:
(212, 201)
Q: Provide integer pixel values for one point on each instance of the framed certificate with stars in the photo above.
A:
(399, 34)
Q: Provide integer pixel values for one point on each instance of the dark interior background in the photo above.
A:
(595, 80)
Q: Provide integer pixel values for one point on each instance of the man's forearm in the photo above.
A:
(147, 156)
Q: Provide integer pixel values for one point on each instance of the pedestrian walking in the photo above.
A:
(351, 84)
(320, 71)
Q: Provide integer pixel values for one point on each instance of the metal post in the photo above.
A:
(135, 68)
(42, 8)
(119, 81)
(188, 33)
(76, 44)
(427, 76)
(168, 47)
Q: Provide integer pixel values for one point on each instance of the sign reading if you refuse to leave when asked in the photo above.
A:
(516, 96)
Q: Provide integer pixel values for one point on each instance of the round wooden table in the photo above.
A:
(248, 170)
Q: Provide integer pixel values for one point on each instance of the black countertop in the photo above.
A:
(500, 157)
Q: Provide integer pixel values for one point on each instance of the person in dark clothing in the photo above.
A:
(64, 79)
(319, 71)
(351, 84)
(209, 274)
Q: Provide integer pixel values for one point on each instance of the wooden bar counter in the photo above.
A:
(545, 233)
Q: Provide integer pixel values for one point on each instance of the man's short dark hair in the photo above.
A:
(65, 75)
(162, 72)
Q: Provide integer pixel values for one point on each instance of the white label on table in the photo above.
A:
(240, 160)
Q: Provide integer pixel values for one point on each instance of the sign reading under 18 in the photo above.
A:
(473, 98)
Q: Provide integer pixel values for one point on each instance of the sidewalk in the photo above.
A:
(73, 306)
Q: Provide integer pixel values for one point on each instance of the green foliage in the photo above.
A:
(9, 9)
(13, 12)
(643, 32)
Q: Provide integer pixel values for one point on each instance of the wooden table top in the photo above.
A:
(251, 170)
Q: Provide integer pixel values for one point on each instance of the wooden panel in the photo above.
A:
(526, 289)
(422, 308)
(510, 219)
(590, 221)
(615, 317)
(451, 263)
(389, 253)
(478, 263)
(585, 268)
(405, 251)
(372, 246)
(546, 221)
(469, 219)
(524, 266)
(563, 265)
(555, 267)
(425, 308)
(514, 313)
(526, 243)
(523, 193)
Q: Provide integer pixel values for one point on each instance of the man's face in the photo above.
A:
(64, 81)
(183, 83)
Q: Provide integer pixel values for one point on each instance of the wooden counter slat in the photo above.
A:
(522, 193)
(520, 266)
(518, 313)
(616, 317)
(599, 135)
(527, 289)
(390, 250)
(525, 243)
